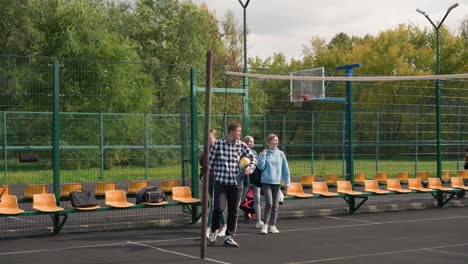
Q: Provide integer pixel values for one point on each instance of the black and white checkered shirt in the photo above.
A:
(225, 156)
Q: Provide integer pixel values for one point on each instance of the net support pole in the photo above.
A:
(206, 149)
(56, 141)
(194, 135)
(5, 151)
(349, 128)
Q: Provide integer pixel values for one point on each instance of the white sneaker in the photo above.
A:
(274, 230)
(212, 238)
(222, 231)
(259, 224)
(264, 229)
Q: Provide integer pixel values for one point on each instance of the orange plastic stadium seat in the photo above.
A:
(463, 174)
(395, 186)
(117, 198)
(446, 175)
(4, 190)
(103, 187)
(345, 187)
(423, 175)
(33, 189)
(183, 194)
(69, 187)
(416, 185)
(9, 205)
(402, 176)
(332, 179)
(435, 183)
(321, 188)
(457, 182)
(135, 186)
(373, 187)
(307, 180)
(45, 203)
(359, 178)
(381, 177)
(295, 189)
(166, 185)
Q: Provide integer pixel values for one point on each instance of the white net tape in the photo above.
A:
(357, 79)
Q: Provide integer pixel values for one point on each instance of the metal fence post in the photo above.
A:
(56, 130)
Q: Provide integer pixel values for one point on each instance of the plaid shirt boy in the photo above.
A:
(225, 156)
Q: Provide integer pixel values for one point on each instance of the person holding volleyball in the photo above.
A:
(224, 158)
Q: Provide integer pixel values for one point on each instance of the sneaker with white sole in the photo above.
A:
(212, 238)
(229, 242)
(222, 231)
(259, 224)
(274, 230)
(264, 229)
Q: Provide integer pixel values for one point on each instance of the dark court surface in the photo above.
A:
(418, 236)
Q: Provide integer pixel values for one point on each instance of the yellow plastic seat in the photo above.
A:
(69, 187)
(423, 175)
(381, 177)
(45, 203)
(321, 188)
(457, 182)
(415, 184)
(4, 190)
(135, 186)
(295, 189)
(395, 186)
(402, 176)
(332, 179)
(117, 198)
(183, 194)
(359, 178)
(446, 175)
(167, 185)
(435, 183)
(103, 187)
(307, 180)
(9, 205)
(32, 189)
(373, 187)
(463, 174)
(345, 187)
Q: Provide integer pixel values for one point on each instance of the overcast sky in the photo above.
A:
(286, 25)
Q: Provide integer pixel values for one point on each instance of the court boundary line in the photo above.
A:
(379, 253)
(176, 253)
(447, 252)
(356, 220)
(242, 234)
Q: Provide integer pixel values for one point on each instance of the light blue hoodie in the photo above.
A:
(274, 166)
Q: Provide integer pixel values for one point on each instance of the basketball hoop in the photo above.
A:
(297, 99)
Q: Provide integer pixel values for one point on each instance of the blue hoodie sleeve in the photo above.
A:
(261, 161)
(285, 172)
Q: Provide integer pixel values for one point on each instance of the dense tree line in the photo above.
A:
(165, 38)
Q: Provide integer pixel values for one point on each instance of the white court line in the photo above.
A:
(19, 219)
(378, 254)
(446, 252)
(350, 219)
(177, 253)
(243, 234)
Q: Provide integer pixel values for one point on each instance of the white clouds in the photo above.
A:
(286, 25)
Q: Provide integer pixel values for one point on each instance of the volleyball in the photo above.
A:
(243, 162)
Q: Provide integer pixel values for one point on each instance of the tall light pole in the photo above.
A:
(245, 81)
(438, 118)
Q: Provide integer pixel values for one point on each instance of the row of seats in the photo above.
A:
(381, 177)
(100, 188)
(372, 186)
(46, 202)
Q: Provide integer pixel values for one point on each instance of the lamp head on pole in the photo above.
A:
(422, 12)
(452, 7)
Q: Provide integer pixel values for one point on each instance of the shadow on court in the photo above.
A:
(422, 236)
